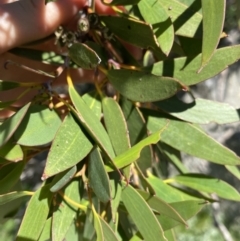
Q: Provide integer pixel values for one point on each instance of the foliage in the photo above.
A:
(101, 180)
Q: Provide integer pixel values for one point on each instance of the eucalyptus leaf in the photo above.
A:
(11, 152)
(213, 18)
(7, 85)
(97, 225)
(69, 147)
(121, 2)
(98, 178)
(9, 126)
(200, 111)
(38, 126)
(154, 13)
(208, 184)
(133, 85)
(108, 233)
(142, 215)
(190, 138)
(64, 215)
(185, 69)
(46, 233)
(234, 170)
(8, 197)
(35, 215)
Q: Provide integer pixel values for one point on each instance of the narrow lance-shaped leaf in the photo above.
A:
(153, 13)
(91, 123)
(98, 178)
(190, 138)
(185, 69)
(62, 179)
(7, 85)
(234, 170)
(38, 127)
(208, 184)
(8, 197)
(133, 85)
(35, 215)
(162, 207)
(63, 217)
(69, 147)
(142, 215)
(10, 125)
(200, 111)
(213, 18)
(133, 153)
(97, 225)
(107, 231)
(121, 2)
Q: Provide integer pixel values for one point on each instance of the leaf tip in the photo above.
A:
(44, 177)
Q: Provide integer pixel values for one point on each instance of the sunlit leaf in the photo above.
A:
(11, 152)
(65, 151)
(142, 215)
(97, 225)
(190, 138)
(107, 231)
(208, 184)
(185, 69)
(8, 197)
(46, 233)
(35, 215)
(153, 13)
(213, 18)
(38, 127)
(133, 85)
(200, 111)
(10, 125)
(234, 170)
(63, 217)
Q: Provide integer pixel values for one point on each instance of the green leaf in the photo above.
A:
(200, 111)
(213, 18)
(91, 123)
(116, 125)
(234, 170)
(208, 184)
(170, 236)
(132, 31)
(137, 131)
(133, 153)
(98, 178)
(97, 225)
(83, 56)
(108, 233)
(46, 233)
(65, 152)
(92, 99)
(35, 215)
(38, 127)
(61, 179)
(11, 177)
(11, 152)
(141, 215)
(190, 139)
(65, 213)
(133, 85)
(6, 104)
(121, 2)
(153, 13)
(116, 191)
(8, 197)
(187, 210)
(186, 20)
(7, 85)
(167, 193)
(161, 206)
(9, 126)
(185, 69)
